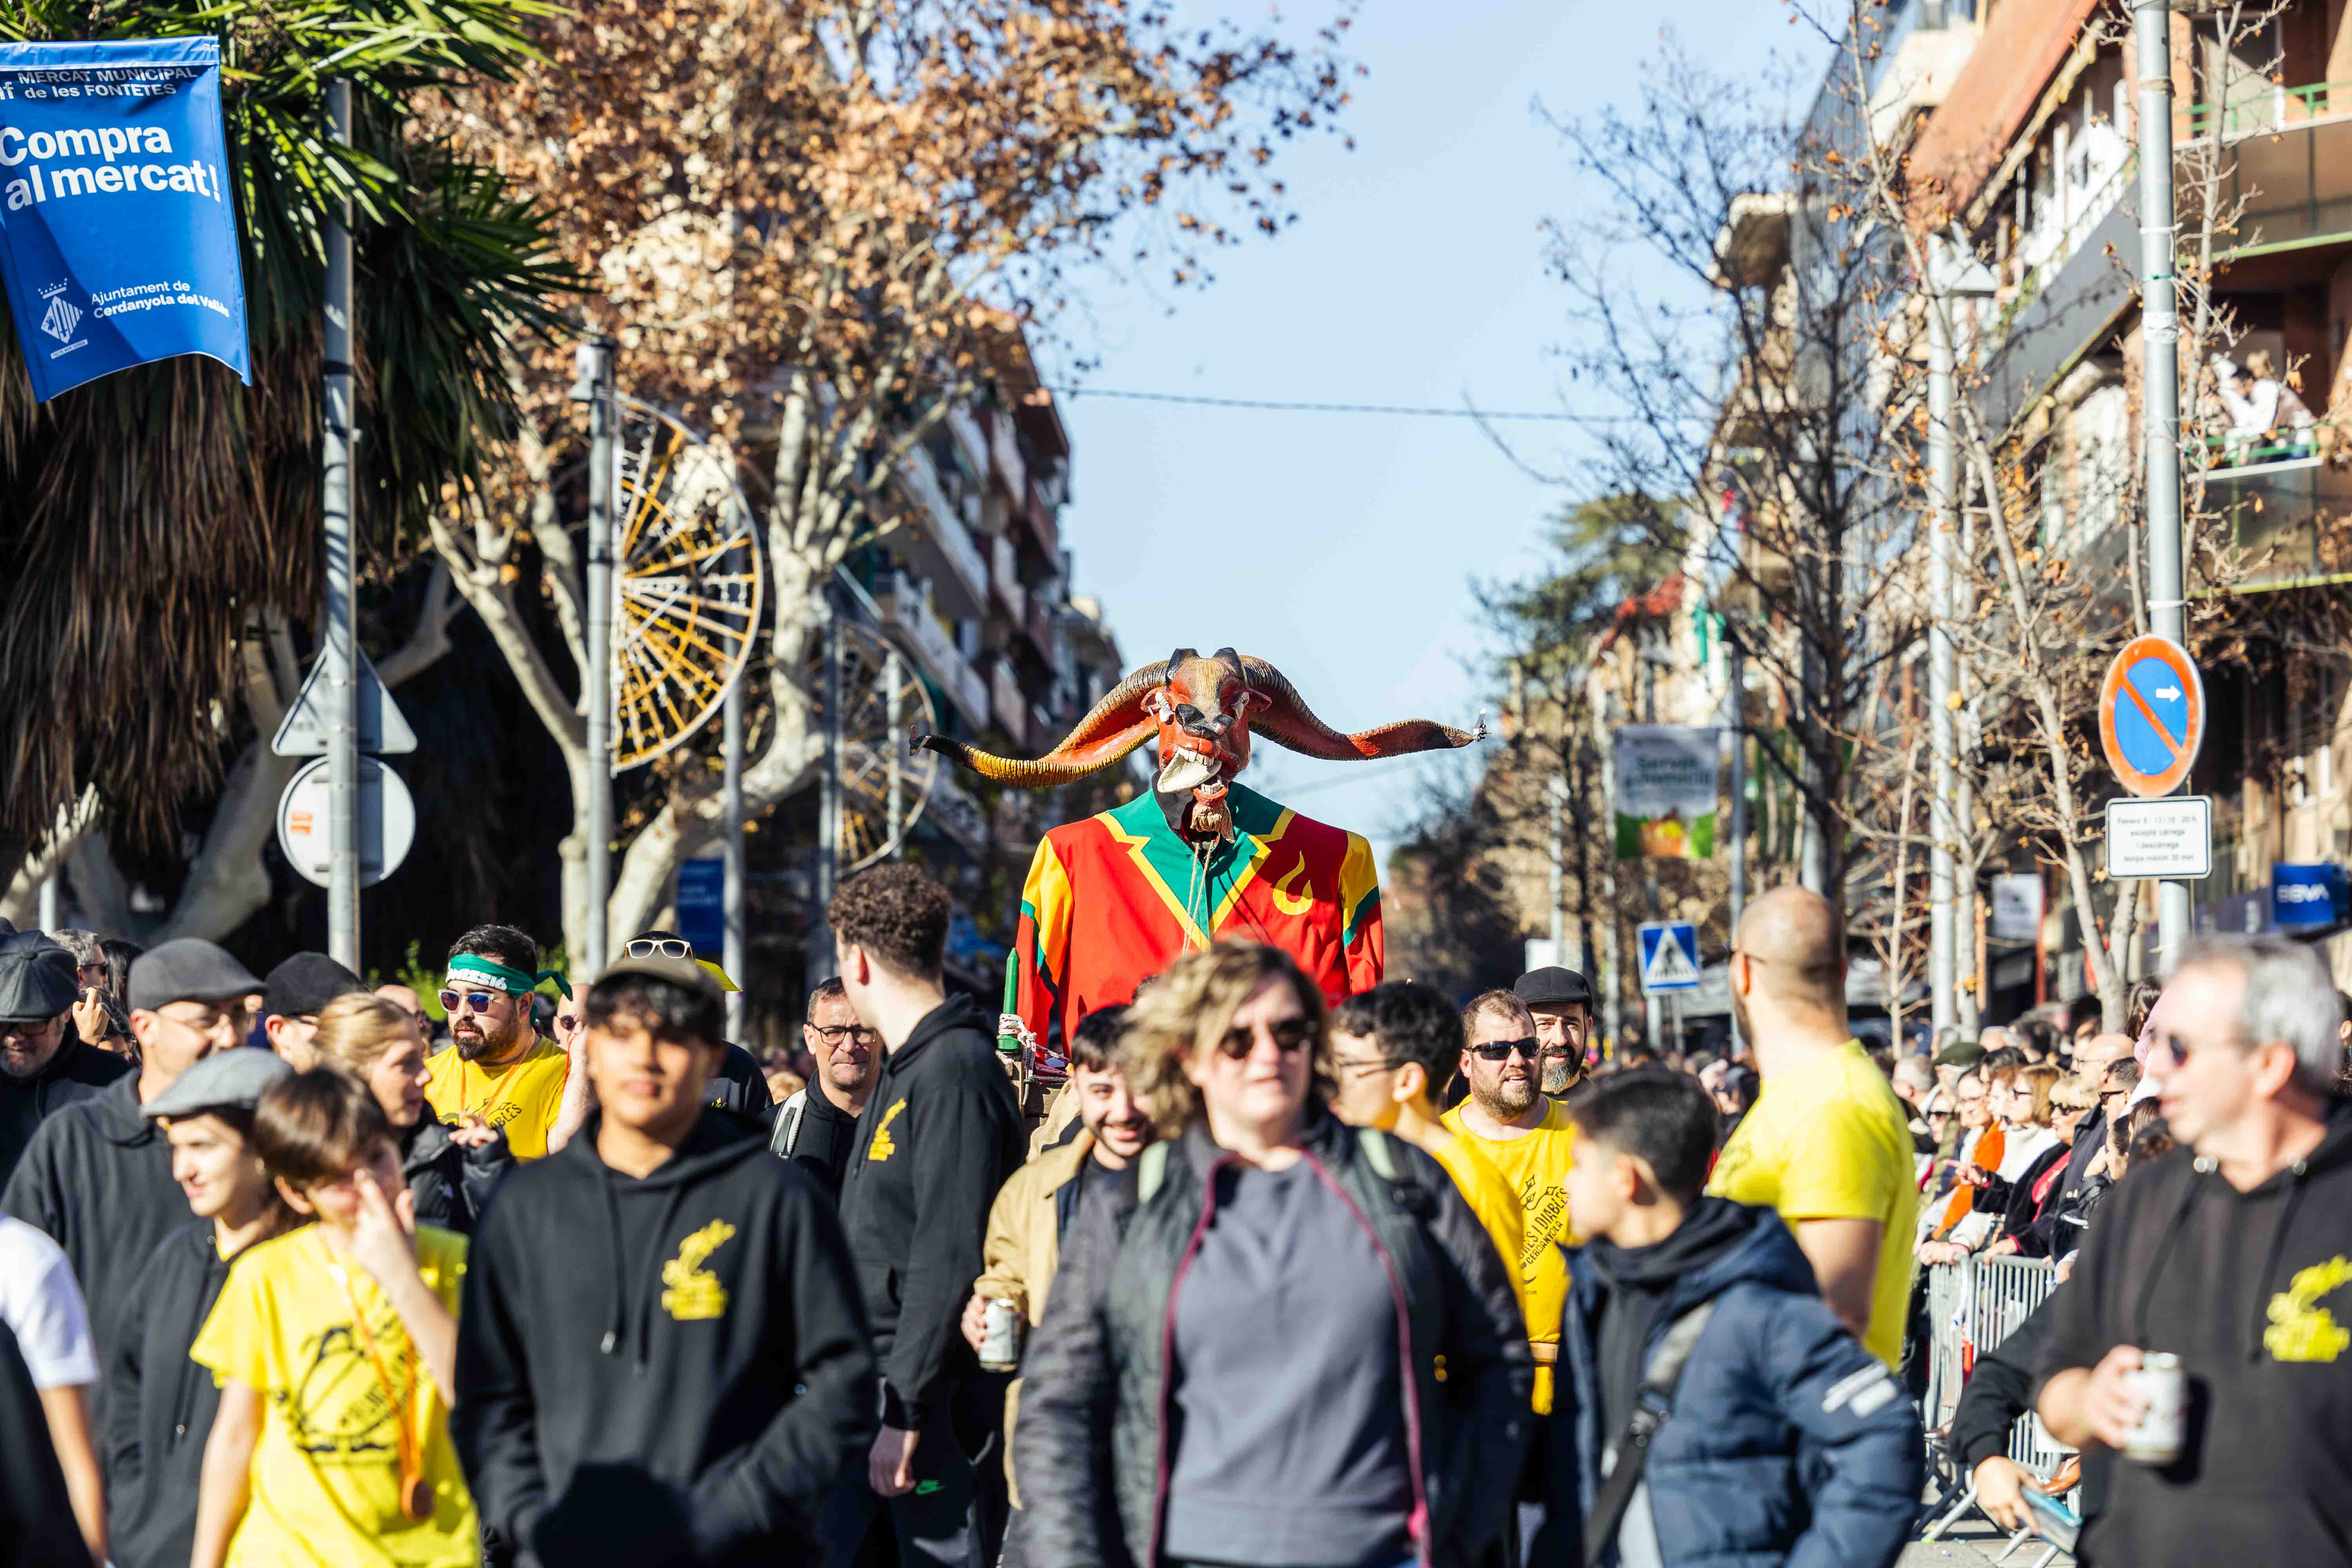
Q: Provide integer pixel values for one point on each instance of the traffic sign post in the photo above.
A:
(2151, 723)
(1669, 957)
(383, 729)
(387, 822)
(2171, 837)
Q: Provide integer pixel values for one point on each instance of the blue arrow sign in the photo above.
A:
(2151, 716)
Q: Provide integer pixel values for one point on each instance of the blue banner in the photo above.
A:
(118, 235)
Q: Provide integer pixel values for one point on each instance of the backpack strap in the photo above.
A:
(1630, 1455)
(1151, 1170)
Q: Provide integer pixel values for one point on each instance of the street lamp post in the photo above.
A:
(592, 362)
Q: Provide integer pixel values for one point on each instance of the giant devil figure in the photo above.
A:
(1112, 900)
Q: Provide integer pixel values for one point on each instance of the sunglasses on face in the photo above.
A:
(666, 947)
(475, 1002)
(1500, 1050)
(1289, 1035)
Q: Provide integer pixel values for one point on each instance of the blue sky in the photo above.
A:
(1341, 546)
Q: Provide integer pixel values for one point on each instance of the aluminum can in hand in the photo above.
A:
(2158, 1438)
(1000, 1340)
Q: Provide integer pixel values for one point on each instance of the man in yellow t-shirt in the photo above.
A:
(499, 1072)
(1826, 1143)
(1390, 1047)
(335, 1348)
(1520, 1133)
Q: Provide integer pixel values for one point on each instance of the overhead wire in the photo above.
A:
(1413, 411)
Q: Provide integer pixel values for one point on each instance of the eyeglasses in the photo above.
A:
(2071, 1107)
(667, 946)
(840, 1032)
(1289, 1035)
(1365, 1064)
(475, 1002)
(1500, 1050)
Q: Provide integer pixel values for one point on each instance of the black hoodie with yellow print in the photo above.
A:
(671, 1368)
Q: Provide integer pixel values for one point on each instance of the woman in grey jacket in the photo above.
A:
(1276, 1340)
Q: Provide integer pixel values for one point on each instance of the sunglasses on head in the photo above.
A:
(1289, 1035)
(1500, 1050)
(666, 946)
(474, 1002)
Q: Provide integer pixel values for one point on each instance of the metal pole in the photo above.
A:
(2159, 314)
(340, 645)
(1942, 969)
(893, 678)
(1649, 1009)
(597, 685)
(52, 914)
(1734, 698)
(829, 826)
(731, 896)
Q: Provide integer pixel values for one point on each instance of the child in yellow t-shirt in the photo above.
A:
(335, 1347)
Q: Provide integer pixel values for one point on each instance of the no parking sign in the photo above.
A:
(2152, 715)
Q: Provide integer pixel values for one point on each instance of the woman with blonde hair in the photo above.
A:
(450, 1171)
(1276, 1339)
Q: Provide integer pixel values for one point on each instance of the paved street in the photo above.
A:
(1971, 1546)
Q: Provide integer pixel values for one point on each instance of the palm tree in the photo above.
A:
(149, 521)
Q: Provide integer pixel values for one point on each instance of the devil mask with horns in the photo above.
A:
(1202, 712)
(1112, 900)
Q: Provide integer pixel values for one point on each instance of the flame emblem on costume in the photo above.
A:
(1291, 903)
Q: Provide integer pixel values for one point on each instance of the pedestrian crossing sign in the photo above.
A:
(1669, 957)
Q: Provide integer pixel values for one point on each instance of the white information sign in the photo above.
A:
(387, 822)
(2016, 907)
(2171, 836)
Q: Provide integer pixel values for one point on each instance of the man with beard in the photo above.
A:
(45, 1065)
(1561, 1001)
(1826, 1143)
(816, 1127)
(1531, 1140)
(499, 1072)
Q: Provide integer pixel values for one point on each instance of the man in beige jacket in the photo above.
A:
(1033, 1209)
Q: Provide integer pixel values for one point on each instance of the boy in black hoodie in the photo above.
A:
(1783, 1440)
(661, 1357)
(2232, 1253)
(939, 1134)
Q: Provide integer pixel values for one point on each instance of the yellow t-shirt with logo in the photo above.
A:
(326, 1468)
(520, 1097)
(1828, 1140)
(1536, 1165)
(1495, 1201)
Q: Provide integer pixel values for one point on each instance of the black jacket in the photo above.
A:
(1092, 1451)
(941, 1134)
(670, 1370)
(78, 1071)
(159, 1404)
(2247, 1289)
(739, 1087)
(36, 1522)
(2000, 1392)
(98, 1179)
(451, 1182)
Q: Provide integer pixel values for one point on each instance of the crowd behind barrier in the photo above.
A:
(1972, 1307)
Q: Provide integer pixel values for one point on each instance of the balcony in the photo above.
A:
(2288, 512)
(970, 443)
(1037, 626)
(1037, 513)
(1005, 701)
(2291, 155)
(1004, 448)
(939, 545)
(953, 810)
(1004, 578)
(908, 610)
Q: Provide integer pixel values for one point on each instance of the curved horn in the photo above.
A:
(1064, 764)
(1288, 722)
(1115, 726)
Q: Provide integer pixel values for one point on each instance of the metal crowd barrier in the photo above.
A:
(1971, 1308)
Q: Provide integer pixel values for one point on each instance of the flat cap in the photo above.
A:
(1552, 986)
(303, 984)
(661, 966)
(187, 969)
(1960, 1054)
(36, 977)
(225, 1080)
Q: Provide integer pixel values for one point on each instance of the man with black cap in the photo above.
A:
(45, 1065)
(1561, 1001)
(98, 1175)
(293, 996)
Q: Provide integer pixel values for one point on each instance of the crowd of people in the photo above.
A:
(1275, 1278)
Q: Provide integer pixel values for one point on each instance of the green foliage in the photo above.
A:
(1607, 550)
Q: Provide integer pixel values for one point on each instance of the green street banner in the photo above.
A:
(1666, 791)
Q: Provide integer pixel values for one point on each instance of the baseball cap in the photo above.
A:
(187, 969)
(36, 977)
(225, 1080)
(1552, 986)
(304, 985)
(670, 939)
(683, 972)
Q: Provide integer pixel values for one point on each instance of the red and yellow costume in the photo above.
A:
(1111, 899)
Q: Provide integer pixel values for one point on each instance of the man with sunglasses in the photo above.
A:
(98, 1175)
(816, 1127)
(499, 1072)
(1529, 1137)
(2229, 1253)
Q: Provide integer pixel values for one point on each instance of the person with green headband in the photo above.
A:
(499, 1072)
